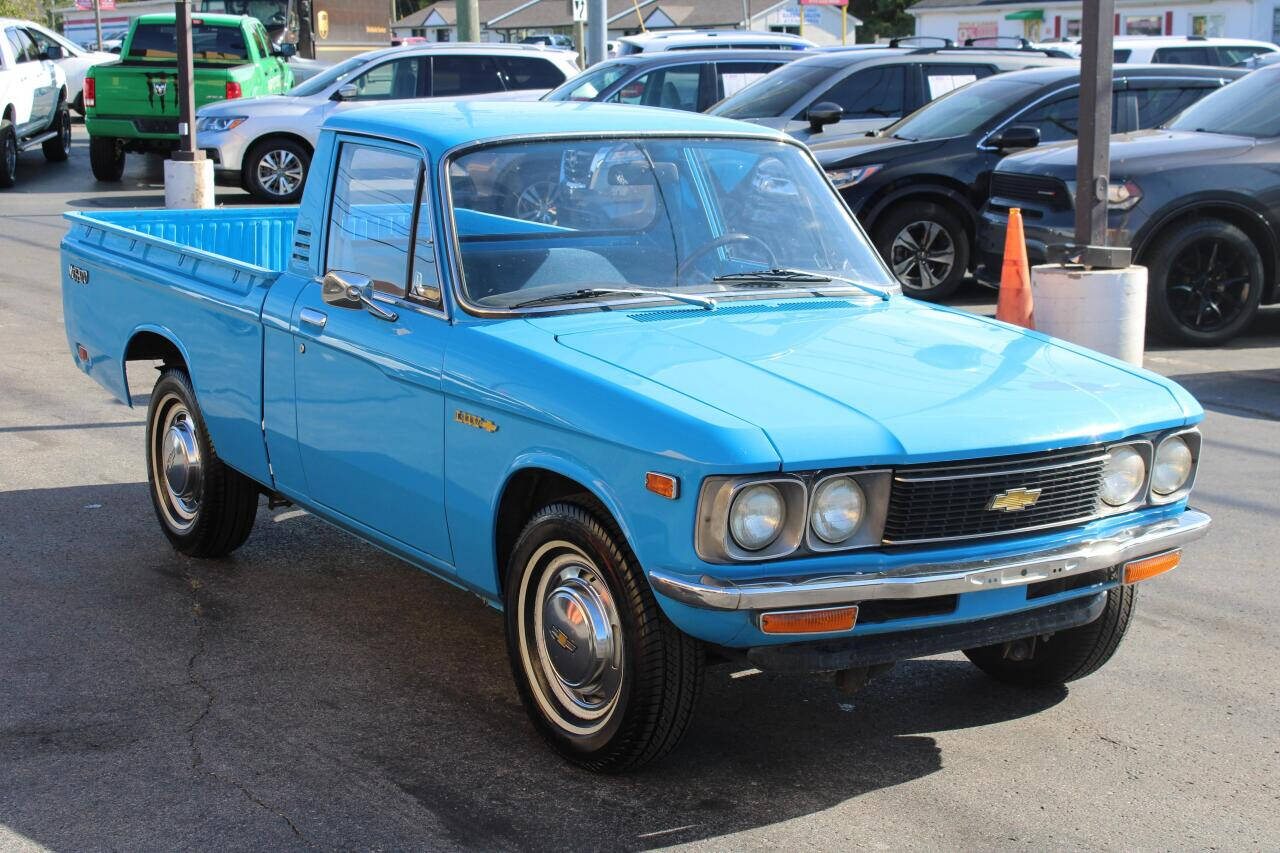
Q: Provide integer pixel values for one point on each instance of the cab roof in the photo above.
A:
(437, 126)
(216, 18)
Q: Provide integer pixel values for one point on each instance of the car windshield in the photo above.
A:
(575, 220)
(587, 86)
(774, 94)
(1248, 107)
(323, 80)
(962, 111)
(209, 43)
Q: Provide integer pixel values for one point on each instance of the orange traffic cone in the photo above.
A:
(1014, 305)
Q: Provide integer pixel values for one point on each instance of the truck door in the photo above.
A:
(370, 406)
(33, 85)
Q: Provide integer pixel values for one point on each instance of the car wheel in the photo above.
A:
(106, 158)
(1067, 655)
(927, 248)
(276, 170)
(8, 154)
(58, 149)
(205, 508)
(532, 193)
(1206, 280)
(608, 681)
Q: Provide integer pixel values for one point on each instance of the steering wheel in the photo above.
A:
(723, 240)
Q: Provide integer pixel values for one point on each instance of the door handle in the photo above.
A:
(313, 318)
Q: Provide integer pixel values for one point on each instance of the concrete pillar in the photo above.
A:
(188, 183)
(1104, 310)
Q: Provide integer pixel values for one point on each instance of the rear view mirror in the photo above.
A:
(1016, 136)
(822, 114)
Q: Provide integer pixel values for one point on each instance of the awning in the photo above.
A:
(1026, 15)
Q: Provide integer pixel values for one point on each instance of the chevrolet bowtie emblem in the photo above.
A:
(1014, 499)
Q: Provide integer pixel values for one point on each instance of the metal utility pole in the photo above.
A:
(746, 14)
(597, 31)
(468, 15)
(186, 96)
(97, 21)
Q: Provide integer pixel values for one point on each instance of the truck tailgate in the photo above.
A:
(196, 278)
(150, 89)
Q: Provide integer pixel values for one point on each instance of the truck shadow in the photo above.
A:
(370, 705)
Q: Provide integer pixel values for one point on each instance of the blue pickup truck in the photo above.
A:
(680, 413)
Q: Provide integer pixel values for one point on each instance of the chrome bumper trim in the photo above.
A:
(929, 579)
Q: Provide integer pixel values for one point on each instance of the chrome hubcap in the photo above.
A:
(280, 172)
(537, 203)
(177, 464)
(571, 638)
(922, 255)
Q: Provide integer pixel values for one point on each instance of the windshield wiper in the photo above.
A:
(776, 277)
(589, 292)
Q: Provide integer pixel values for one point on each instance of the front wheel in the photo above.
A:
(8, 154)
(205, 508)
(926, 246)
(58, 149)
(608, 681)
(106, 158)
(276, 170)
(1067, 655)
(1206, 280)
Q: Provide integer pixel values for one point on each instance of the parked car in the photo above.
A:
(69, 56)
(33, 101)
(1198, 201)
(702, 39)
(917, 185)
(265, 144)
(664, 428)
(681, 80)
(852, 92)
(559, 40)
(132, 105)
(1182, 50)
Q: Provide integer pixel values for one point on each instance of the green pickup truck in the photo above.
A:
(132, 105)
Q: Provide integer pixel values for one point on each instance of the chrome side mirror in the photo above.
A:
(348, 92)
(352, 290)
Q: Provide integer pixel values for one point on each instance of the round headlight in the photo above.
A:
(1122, 476)
(1172, 466)
(837, 510)
(756, 517)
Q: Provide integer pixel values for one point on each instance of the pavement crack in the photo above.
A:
(195, 585)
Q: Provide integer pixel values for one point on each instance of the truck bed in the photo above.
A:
(133, 280)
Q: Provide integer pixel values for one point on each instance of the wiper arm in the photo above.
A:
(776, 277)
(589, 292)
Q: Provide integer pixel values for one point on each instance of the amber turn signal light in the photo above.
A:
(810, 621)
(662, 484)
(82, 353)
(1149, 567)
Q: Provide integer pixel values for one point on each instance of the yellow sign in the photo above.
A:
(322, 24)
(1014, 499)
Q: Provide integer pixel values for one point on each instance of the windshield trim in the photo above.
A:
(452, 253)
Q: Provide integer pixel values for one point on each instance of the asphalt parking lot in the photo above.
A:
(312, 692)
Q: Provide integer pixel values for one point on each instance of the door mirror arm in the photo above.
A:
(352, 290)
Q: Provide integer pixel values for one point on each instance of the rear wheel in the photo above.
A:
(8, 154)
(608, 681)
(58, 149)
(276, 170)
(926, 246)
(106, 158)
(205, 508)
(1206, 280)
(1066, 655)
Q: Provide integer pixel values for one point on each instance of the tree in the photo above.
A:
(882, 18)
(30, 10)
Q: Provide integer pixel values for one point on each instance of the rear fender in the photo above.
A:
(162, 332)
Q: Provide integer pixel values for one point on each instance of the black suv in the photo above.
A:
(845, 92)
(917, 185)
(682, 80)
(1198, 201)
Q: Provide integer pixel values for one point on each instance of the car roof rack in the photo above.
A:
(908, 41)
(1025, 47)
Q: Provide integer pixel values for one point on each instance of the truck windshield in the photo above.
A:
(1248, 107)
(569, 220)
(209, 43)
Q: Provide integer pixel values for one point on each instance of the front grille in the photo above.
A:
(1050, 192)
(156, 125)
(952, 501)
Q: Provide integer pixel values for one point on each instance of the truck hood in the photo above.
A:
(846, 382)
(1137, 153)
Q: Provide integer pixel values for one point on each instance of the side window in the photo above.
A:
(733, 76)
(373, 197)
(260, 41)
(1235, 54)
(674, 88)
(940, 79)
(424, 280)
(1058, 120)
(529, 72)
(1156, 106)
(23, 48)
(464, 75)
(1122, 55)
(879, 92)
(390, 80)
(1183, 56)
(42, 42)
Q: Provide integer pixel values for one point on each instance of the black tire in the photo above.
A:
(1206, 280)
(78, 104)
(275, 170)
(205, 508)
(58, 149)
(1067, 655)
(106, 157)
(647, 683)
(937, 265)
(8, 154)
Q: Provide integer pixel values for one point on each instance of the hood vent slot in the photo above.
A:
(741, 308)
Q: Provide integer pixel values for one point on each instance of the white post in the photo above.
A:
(1101, 309)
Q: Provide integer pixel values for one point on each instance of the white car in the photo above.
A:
(265, 144)
(70, 57)
(33, 101)
(1179, 50)
(701, 39)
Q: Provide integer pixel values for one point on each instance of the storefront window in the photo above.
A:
(1207, 25)
(1143, 25)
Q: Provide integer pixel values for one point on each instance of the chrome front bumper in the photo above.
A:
(928, 579)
